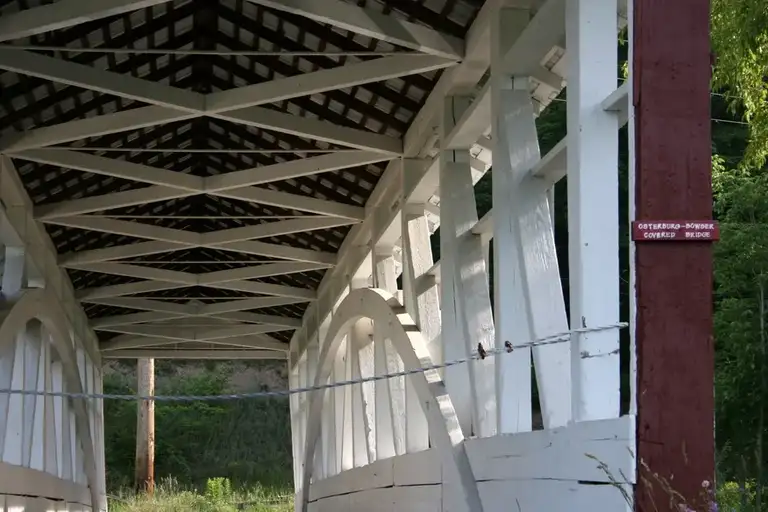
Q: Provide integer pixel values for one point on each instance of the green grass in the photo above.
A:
(218, 496)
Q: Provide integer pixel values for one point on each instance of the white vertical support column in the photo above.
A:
(34, 410)
(359, 337)
(52, 448)
(390, 403)
(14, 425)
(633, 388)
(423, 308)
(294, 412)
(593, 206)
(328, 420)
(466, 306)
(344, 439)
(302, 416)
(366, 365)
(529, 298)
(312, 355)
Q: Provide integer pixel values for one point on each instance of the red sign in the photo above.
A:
(675, 230)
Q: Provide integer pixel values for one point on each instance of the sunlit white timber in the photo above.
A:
(522, 45)
(593, 179)
(431, 440)
(528, 294)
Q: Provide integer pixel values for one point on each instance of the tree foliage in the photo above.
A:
(740, 44)
(741, 277)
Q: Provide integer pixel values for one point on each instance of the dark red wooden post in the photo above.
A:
(675, 381)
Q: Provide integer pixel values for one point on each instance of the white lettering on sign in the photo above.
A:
(658, 225)
(655, 235)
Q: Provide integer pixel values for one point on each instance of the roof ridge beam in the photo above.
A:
(63, 14)
(373, 24)
(324, 80)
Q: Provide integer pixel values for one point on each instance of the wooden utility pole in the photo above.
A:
(671, 71)
(145, 428)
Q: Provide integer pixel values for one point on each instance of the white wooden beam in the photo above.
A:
(194, 334)
(92, 204)
(373, 24)
(195, 354)
(118, 252)
(158, 306)
(270, 229)
(293, 169)
(67, 13)
(124, 86)
(119, 290)
(295, 202)
(268, 119)
(307, 84)
(247, 304)
(114, 168)
(258, 271)
(279, 251)
(96, 126)
(593, 209)
(128, 228)
(126, 341)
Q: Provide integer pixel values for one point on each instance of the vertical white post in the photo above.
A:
(51, 442)
(593, 206)
(466, 307)
(424, 308)
(360, 337)
(293, 402)
(390, 393)
(631, 210)
(312, 367)
(529, 297)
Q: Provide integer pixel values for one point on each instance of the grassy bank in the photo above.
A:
(217, 496)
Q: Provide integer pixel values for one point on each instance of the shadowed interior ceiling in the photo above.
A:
(134, 179)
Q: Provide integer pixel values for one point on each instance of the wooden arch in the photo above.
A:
(444, 430)
(38, 304)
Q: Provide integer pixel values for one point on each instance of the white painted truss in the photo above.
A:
(51, 447)
(460, 438)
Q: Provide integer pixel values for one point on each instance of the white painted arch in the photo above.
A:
(444, 431)
(39, 304)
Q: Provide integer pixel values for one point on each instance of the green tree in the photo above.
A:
(740, 45)
(741, 278)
